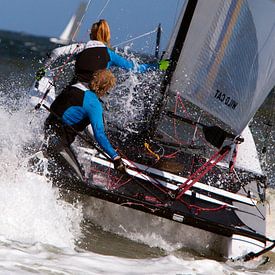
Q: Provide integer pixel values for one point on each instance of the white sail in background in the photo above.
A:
(67, 33)
(227, 64)
(70, 32)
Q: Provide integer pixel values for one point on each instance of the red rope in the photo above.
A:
(199, 209)
(195, 177)
(115, 185)
(178, 99)
(172, 155)
(204, 169)
(151, 179)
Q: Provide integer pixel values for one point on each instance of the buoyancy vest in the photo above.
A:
(94, 57)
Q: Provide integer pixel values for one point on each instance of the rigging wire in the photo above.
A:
(137, 37)
(106, 4)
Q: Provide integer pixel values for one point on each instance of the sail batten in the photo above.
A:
(227, 63)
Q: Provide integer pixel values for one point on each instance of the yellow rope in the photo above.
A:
(147, 146)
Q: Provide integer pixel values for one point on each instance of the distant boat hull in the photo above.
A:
(60, 41)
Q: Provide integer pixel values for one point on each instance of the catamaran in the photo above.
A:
(193, 159)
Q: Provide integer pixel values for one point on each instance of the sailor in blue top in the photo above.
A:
(71, 112)
(91, 108)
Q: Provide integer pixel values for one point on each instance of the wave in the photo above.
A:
(30, 209)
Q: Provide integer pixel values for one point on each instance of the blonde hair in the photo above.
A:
(101, 31)
(102, 81)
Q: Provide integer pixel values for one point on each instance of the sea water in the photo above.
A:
(42, 231)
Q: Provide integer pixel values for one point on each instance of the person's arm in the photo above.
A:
(45, 70)
(94, 110)
(62, 51)
(44, 75)
(119, 61)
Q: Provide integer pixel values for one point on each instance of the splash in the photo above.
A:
(31, 211)
(133, 102)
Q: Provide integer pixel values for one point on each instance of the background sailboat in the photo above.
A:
(70, 32)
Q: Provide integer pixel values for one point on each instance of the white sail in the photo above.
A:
(70, 32)
(227, 63)
(247, 155)
(67, 33)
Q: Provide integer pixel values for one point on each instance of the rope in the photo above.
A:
(204, 169)
(132, 39)
(199, 209)
(147, 146)
(138, 171)
(179, 99)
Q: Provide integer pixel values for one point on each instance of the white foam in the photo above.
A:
(30, 209)
(44, 259)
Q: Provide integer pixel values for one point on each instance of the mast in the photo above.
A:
(180, 38)
(226, 67)
(222, 59)
(174, 57)
(158, 41)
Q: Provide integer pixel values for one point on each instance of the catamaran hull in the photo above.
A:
(232, 220)
(106, 209)
(175, 235)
